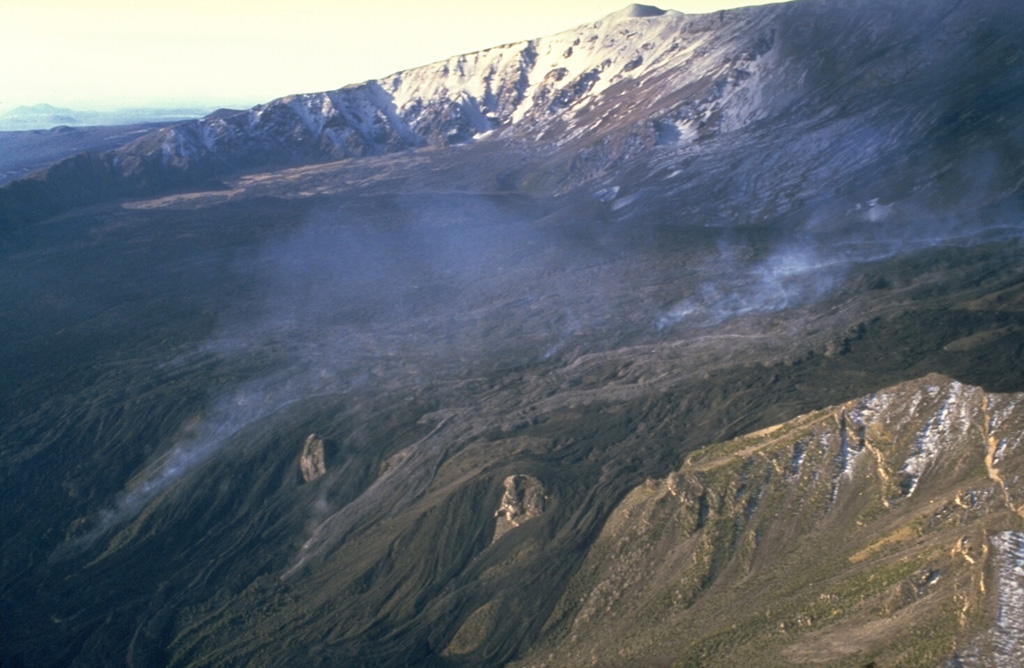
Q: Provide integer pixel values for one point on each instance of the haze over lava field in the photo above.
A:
(667, 340)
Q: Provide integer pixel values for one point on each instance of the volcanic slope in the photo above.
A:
(391, 408)
(882, 529)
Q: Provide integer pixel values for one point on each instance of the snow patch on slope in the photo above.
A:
(1008, 633)
(950, 421)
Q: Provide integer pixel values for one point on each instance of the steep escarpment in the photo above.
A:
(876, 530)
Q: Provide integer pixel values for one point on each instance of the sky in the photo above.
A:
(110, 54)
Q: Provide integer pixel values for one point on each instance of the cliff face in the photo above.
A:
(885, 529)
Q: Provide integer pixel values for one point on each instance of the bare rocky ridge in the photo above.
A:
(806, 543)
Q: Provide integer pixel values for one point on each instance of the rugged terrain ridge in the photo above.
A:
(818, 541)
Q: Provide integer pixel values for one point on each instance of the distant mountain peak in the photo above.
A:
(41, 109)
(637, 11)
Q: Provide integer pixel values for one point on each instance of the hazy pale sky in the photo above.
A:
(103, 54)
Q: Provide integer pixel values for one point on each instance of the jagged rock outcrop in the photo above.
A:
(313, 461)
(886, 529)
(523, 500)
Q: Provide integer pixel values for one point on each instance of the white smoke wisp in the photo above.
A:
(817, 257)
(341, 302)
(227, 417)
(785, 279)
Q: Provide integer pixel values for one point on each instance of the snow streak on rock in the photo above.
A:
(1008, 632)
(949, 422)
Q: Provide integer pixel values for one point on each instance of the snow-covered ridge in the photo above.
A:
(792, 93)
(558, 88)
